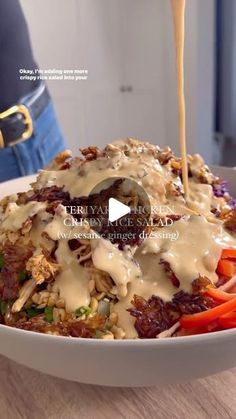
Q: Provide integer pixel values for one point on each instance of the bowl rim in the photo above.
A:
(217, 336)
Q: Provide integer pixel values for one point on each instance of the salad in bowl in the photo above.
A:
(166, 271)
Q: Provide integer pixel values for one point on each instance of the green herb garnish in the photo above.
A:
(83, 310)
(22, 276)
(1, 261)
(3, 307)
(48, 314)
(99, 334)
(34, 311)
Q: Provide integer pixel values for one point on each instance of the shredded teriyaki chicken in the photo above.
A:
(60, 275)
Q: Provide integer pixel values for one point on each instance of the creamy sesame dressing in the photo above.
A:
(191, 246)
(15, 215)
(143, 167)
(195, 252)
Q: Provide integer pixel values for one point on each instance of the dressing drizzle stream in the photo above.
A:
(178, 11)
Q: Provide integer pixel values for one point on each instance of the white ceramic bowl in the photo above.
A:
(120, 363)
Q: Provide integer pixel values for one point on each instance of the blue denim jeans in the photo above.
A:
(35, 153)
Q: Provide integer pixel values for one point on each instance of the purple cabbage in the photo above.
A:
(232, 203)
(221, 189)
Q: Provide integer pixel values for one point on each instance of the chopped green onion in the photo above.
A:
(22, 276)
(99, 334)
(48, 314)
(3, 307)
(1, 261)
(83, 310)
(33, 311)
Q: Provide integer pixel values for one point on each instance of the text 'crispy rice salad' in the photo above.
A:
(179, 278)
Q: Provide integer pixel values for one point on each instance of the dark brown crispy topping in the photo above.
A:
(202, 178)
(66, 165)
(15, 258)
(151, 317)
(50, 194)
(76, 328)
(91, 153)
(86, 328)
(200, 284)
(177, 169)
(164, 156)
(23, 198)
(63, 158)
(184, 303)
(154, 316)
(37, 324)
(73, 244)
(230, 223)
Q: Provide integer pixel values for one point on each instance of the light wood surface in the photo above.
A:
(28, 394)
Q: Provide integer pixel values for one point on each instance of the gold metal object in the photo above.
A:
(1, 140)
(22, 109)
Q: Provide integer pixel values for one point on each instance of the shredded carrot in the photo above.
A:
(228, 321)
(219, 295)
(231, 315)
(189, 321)
(211, 327)
(228, 254)
(226, 267)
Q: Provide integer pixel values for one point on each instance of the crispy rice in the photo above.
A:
(69, 287)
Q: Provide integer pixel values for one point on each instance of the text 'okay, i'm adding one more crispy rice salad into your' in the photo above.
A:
(174, 276)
